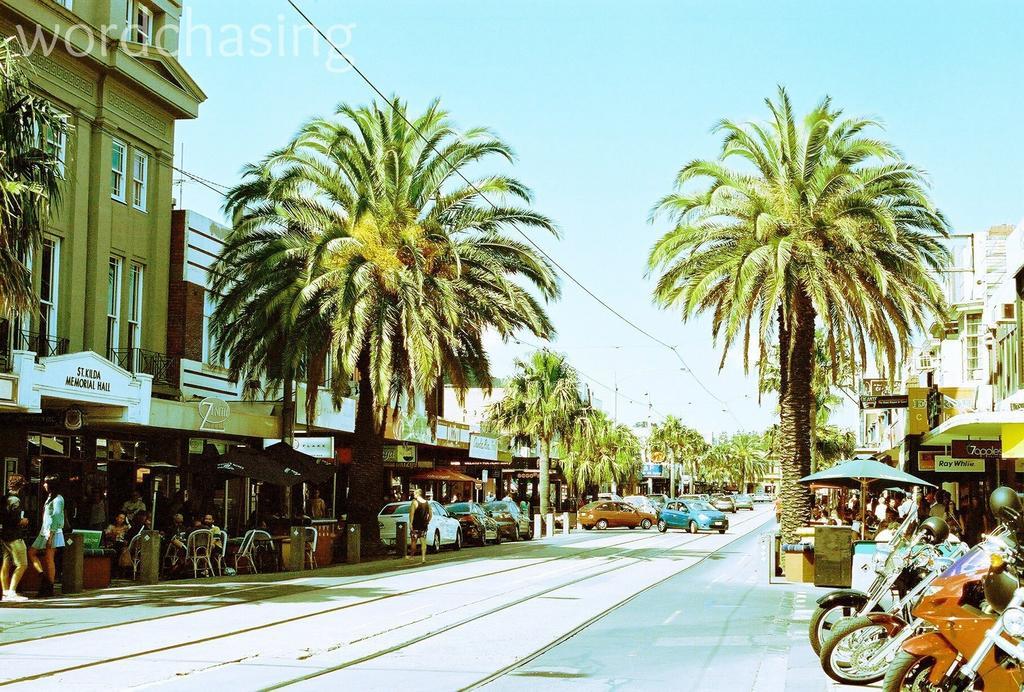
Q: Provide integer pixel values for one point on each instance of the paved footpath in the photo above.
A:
(595, 610)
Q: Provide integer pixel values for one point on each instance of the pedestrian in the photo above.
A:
(51, 535)
(419, 516)
(11, 541)
(317, 506)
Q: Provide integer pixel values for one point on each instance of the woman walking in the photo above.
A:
(51, 535)
(419, 518)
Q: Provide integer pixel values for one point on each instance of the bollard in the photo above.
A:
(352, 544)
(297, 549)
(550, 520)
(401, 539)
(565, 523)
(149, 566)
(74, 565)
(537, 532)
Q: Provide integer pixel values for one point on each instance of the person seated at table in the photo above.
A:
(214, 529)
(177, 532)
(142, 521)
(116, 534)
(888, 528)
(133, 506)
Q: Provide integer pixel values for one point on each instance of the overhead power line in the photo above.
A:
(528, 239)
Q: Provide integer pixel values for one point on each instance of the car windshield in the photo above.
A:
(396, 508)
(743, 498)
(460, 508)
(498, 506)
(699, 505)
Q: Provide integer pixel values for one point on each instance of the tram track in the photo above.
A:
(53, 640)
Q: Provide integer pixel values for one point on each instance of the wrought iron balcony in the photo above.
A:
(162, 367)
(43, 345)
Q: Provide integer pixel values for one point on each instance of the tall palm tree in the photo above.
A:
(681, 444)
(601, 452)
(820, 226)
(365, 247)
(30, 175)
(750, 458)
(542, 404)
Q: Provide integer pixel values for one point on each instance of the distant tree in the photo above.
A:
(680, 444)
(601, 452)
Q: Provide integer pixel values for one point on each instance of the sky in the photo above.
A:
(603, 102)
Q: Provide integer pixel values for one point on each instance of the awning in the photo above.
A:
(443, 474)
(977, 426)
(311, 469)
(256, 464)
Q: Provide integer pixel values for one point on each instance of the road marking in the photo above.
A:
(670, 618)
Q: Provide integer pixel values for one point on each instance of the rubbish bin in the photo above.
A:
(833, 558)
(799, 561)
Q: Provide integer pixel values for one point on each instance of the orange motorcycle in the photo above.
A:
(962, 605)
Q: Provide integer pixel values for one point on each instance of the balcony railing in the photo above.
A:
(43, 345)
(138, 360)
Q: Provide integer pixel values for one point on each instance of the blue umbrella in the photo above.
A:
(859, 474)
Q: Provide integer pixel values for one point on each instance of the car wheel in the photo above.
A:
(436, 548)
(662, 526)
(602, 524)
(587, 528)
(458, 540)
(645, 524)
(692, 526)
(721, 530)
(497, 537)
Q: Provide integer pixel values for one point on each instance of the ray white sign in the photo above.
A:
(947, 464)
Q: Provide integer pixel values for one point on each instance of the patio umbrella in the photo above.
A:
(860, 474)
(258, 465)
(311, 469)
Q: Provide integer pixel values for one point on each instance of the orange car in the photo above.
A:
(606, 513)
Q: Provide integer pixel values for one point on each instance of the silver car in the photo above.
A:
(743, 501)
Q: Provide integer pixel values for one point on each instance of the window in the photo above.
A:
(49, 270)
(117, 166)
(972, 332)
(135, 307)
(140, 180)
(113, 306)
(139, 22)
(55, 144)
(64, 3)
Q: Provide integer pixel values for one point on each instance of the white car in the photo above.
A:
(643, 503)
(444, 529)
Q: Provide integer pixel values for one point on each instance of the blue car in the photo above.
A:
(692, 515)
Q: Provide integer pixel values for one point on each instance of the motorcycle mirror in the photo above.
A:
(1005, 505)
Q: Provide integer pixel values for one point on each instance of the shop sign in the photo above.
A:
(409, 427)
(399, 454)
(483, 447)
(450, 434)
(317, 447)
(889, 401)
(977, 449)
(875, 387)
(213, 414)
(955, 400)
(926, 461)
(653, 470)
(947, 464)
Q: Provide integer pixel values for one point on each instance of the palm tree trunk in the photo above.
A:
(288, 427)
(796, 355)
(366, 475)
(672, 472)
(545, 465)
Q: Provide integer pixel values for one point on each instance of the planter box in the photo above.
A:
(799, 566)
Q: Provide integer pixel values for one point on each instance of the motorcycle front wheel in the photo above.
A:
(824, 620)
(909, 673)
(846, 656)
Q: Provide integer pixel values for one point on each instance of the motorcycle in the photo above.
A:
(861, 648)
(967, 642)
(891, 561)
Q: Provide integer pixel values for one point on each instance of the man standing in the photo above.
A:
(15, 560)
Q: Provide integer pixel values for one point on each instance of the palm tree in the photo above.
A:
(679, 443)
(601, 452)
(750, 458)
(365, 248)
(821, 227)
(542, 403)
(30, 176)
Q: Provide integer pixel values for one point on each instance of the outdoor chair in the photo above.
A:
(135, 554)
(199, 550)
(218, 553)
(245, 552)
(311, 536)
(264, 550)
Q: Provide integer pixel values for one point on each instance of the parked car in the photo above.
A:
(477, 525)
(511, 520)
(643, 503)
(609, 496)
(443, 528)
(763, 497)
(692, 515)
(658, 499)
(606, 514)
(743, 501)
(723, 503)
